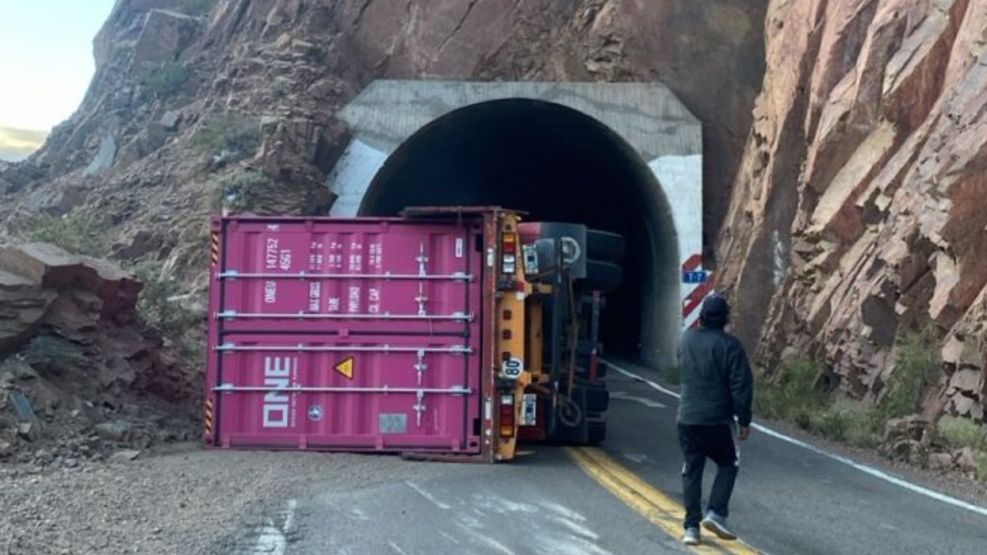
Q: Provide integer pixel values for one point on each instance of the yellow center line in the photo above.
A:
(653, 505)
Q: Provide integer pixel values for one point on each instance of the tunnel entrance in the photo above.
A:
(557, 164)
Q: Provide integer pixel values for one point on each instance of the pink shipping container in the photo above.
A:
(361, 334)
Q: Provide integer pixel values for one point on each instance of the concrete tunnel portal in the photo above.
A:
(551, 160)
(554, 163)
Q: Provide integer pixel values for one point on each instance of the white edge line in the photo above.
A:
(289, 520)
(421, 491)
(869, 470)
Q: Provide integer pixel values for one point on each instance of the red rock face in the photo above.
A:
(859, 209)
(72, 342)
(286, 66)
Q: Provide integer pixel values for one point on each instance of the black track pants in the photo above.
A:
(699, 443)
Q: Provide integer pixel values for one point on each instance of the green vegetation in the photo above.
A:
(963, 433)
(918, 365)
(166, 79)
(235, 136)
(195, 7)
(797, 397)
(794, 396)
(243, 190)
(958, 433)
(864, 427)
(160, 305)
(73, 232)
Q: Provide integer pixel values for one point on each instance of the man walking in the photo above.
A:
(717, 387)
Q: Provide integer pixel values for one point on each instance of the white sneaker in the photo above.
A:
(718, 525)
(691, 536)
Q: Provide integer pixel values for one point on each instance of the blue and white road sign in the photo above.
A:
(700, 276)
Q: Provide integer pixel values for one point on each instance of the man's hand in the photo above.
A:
(744, 433)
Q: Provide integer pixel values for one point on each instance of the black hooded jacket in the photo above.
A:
(717, 383)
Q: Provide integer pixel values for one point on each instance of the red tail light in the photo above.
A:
(508, 249)
(510, 243)
(507, 416)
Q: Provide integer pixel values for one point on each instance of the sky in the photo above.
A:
(46, 63)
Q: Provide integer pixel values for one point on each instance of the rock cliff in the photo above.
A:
(858, 210)
(200, 103)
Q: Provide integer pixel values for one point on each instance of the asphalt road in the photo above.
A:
(792, 500)
(789, 500)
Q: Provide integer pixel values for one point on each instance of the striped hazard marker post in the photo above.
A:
(697, 284)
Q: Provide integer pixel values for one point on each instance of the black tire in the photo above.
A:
(596, 431)
(597, 399)
(605, 245)
(602, 276)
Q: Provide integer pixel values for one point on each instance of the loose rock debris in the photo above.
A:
(81, 375)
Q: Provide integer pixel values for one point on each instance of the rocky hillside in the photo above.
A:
(80, 371)
(858, 211)
(198, 104)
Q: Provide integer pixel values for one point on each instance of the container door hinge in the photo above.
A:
(422, 259)
(422, 300)
(420, 366)
(419, 407)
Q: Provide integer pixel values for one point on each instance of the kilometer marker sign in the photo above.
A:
(345, 367)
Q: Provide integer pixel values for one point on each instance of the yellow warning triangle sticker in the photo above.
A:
(345, 367)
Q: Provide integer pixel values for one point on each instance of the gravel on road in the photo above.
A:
(186, 500)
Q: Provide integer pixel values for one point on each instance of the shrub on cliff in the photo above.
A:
(243, 190)
(958, 433)
(73, 232)
(794, 395)
(917, 367)
(160, 304)
(166, 79)
(230, 136)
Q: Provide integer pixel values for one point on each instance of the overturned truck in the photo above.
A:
(445, 333)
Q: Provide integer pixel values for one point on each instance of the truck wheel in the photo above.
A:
(602, 276)
(570, 413)
(596, 431)
(597, 398)
(604, 245)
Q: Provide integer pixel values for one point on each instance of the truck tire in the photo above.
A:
(605, 245)
(596, 431)
(597, 398)
(602, 276)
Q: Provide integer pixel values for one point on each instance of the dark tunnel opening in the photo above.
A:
(557, 164)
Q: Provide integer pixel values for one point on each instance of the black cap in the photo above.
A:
(715, 311)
